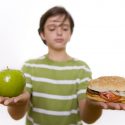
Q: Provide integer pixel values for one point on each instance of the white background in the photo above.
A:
(98, 39)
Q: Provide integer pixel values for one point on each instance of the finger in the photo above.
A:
(2, 99)
(18, 99)
(22, 98)
(9, 101)
(114, 106)
(122, 106)
(103, 105)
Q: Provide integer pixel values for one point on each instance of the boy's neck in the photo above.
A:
(58, 56)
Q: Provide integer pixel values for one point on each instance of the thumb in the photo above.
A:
(24, 97)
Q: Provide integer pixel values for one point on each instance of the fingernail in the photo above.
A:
(6, 103)
(1, 100)
(15, 100)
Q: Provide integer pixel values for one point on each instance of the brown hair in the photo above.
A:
(54, 11)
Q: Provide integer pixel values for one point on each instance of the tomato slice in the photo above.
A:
(109, 96)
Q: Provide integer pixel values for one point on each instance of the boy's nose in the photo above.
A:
(59, 31)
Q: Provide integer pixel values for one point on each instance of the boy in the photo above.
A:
(56, 82)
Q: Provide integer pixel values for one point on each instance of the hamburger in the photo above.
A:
(107, 89)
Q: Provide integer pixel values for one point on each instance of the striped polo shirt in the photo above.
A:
(55, 88)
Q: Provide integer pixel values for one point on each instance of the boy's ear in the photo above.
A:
(42, 35)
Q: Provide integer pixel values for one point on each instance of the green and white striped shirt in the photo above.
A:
(56, 88)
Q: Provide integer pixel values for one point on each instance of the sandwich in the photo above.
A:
(107, 89)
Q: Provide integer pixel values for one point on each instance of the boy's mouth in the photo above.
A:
(59, 40)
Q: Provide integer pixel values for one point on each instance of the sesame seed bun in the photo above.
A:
(107, 89)
(107, 83)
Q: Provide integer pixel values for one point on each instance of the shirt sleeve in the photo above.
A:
(27, 73)
(85, 75)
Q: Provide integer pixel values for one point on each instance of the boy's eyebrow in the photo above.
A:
(59, 25)
(52, 24)
(57, 20)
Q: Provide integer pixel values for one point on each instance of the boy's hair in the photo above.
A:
(54, 11)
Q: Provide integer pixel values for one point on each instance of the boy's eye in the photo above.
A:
(52, 28)
(65, 28)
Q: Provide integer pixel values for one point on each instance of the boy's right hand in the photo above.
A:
(22, 99)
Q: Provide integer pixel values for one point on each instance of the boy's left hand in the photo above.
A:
(108, 105)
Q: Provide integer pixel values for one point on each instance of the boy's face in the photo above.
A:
(57, 32)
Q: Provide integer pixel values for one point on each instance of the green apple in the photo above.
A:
(12, 82)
